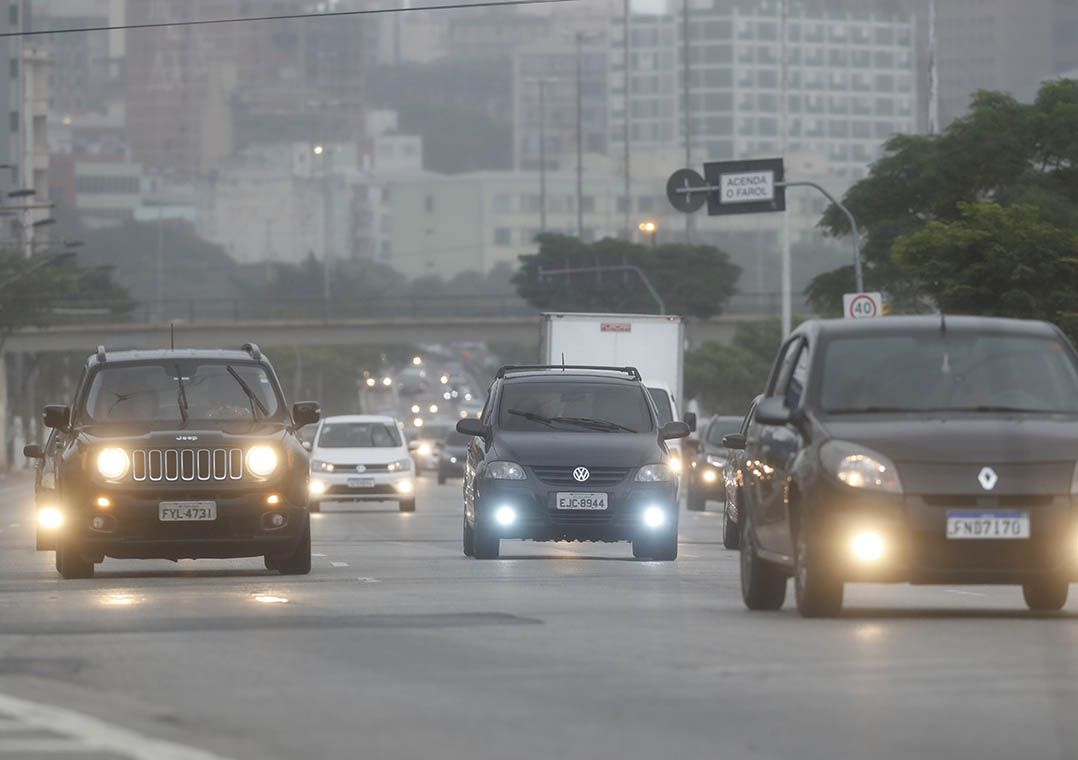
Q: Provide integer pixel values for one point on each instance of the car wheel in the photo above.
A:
(314, 506)
(695, 500)
(469, 539)
(763, 584)
(817, 587)
(441, 478)
(731, 532)
(1047, 595)
(269, 562)
(486, 544)
(71, 564)
(407, 505)
(299, 562)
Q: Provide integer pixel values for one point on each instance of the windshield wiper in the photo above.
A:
(181, 396)
(605, 425)
(874, 409)
(996, 408)
(254, 399)
(532, 416)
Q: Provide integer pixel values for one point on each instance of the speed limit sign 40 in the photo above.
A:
(862, 305)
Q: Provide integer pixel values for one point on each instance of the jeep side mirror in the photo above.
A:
(306, 413)
(773, 411)
(308, 445)
(471, 426)
(675, 429)
(734, 441)
(33, 451)
(57, 417)
(690, 420)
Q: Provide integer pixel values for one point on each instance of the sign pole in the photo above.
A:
(787, 287)
(859, 280)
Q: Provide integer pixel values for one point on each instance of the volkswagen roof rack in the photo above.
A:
(632, 372)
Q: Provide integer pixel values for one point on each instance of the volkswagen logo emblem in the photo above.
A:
(361, 468)
(987, 478)
(580, 474)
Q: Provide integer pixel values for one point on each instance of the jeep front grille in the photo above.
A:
(188, 465)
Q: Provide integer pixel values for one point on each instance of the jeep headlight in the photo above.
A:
(859, 467)
(504, 471)
(655, 473)
(113, 463)
(261, 461)
(400, 464)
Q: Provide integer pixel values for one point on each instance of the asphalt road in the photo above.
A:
(397, 646)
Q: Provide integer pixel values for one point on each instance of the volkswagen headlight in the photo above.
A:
(716, 461)
(859, 467)
(261, 461)
(113, 463)
(655, 473)
(504, 471)
(400, 464)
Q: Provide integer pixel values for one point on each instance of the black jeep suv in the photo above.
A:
(178, 454)
(570, 454)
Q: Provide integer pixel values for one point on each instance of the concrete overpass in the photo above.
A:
(522, 331)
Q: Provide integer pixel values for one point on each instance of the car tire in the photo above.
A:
(314, 506)
(818, 588)
(731, 531)
(468, 539)
(1047, 595)
(486, 544)
(407, 505)
(695, 501)
(441, 478)
(71, 564)
(299, 562)
(763, 584)
(269, 562)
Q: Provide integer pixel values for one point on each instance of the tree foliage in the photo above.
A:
(1002, 152)
(693, 280)
(726, 378)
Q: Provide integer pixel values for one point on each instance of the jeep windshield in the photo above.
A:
(177, 394)
(570, 406)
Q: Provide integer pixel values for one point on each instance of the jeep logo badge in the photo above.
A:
(987, 478)
(580, 474)
(187, 438)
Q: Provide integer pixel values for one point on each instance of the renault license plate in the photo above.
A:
(187, 511)
(586, 501)
(361, 482)
(987, 525)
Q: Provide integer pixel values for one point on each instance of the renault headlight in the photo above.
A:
(504, 471)
(113, 463)
(261, 461)
(655, 473)
(859, 467)
(400, 464)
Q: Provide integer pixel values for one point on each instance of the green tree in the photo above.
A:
(726, 378)
(1005, 261)
(1002, 151)
(693, 280)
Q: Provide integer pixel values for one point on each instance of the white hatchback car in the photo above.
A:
(361, 458)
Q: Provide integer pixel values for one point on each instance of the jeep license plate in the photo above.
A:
(584, 501)
(187, 511)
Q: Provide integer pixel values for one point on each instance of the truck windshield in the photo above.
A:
(567, 406)
(175, 393)
(662, 404)
(951, 372)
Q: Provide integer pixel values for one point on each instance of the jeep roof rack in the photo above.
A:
(253, 351)
(632, 372)
(101, 354)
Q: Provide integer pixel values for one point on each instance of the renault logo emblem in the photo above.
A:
(361, 468)
(987, 478)
(580, 474)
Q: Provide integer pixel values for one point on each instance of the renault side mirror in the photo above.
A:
(773, 411)
(33, 451)
(57, 417)
(734, 441)
(472, 426)
(675, 429)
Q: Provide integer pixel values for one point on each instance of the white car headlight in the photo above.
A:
(318, 465)
(716, 461)
(400, 464)
(859, 467)
(113, 463)
(504, 471)
(261, 461)
(655, 473)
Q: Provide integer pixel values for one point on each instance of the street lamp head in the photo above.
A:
(648, 227)
(318, 150)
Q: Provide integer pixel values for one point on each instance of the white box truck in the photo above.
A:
(653, 344)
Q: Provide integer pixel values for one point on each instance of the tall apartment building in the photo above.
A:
(86, 71)
(852, 82)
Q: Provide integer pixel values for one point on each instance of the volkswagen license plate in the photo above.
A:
(591, 501)
(187, 511)
(361, 482)
(987, 525)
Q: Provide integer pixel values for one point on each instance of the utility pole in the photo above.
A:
(628, 154)
(685, 94)
(933, 72)
(784, 129)
(542, 155)
(579, 136)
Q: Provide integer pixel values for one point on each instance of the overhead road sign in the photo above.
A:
(745, 187)
(686, 190)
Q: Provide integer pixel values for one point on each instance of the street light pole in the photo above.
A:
(579, 137)
(685, 95)
(784, 128)
(542, 156)
(628, 166)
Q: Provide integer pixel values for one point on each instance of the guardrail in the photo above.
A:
(208, 310)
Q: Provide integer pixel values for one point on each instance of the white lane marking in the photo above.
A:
(339, 564)
(40, 746)
(88, 733)
(318, 555)
(364, 579)
(964, 593)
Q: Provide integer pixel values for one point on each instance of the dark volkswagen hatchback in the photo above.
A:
(920, 449)
(178, 454)
(570, 454)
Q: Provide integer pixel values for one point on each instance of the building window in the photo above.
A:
(503, 236)
(502, 203)
(587, 204)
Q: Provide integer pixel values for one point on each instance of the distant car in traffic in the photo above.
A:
(175, 455)
(733, 476)
(425, 444)
(703, 478)
(452, 456)
(923, 449)
(361, 457)
(570, 454)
